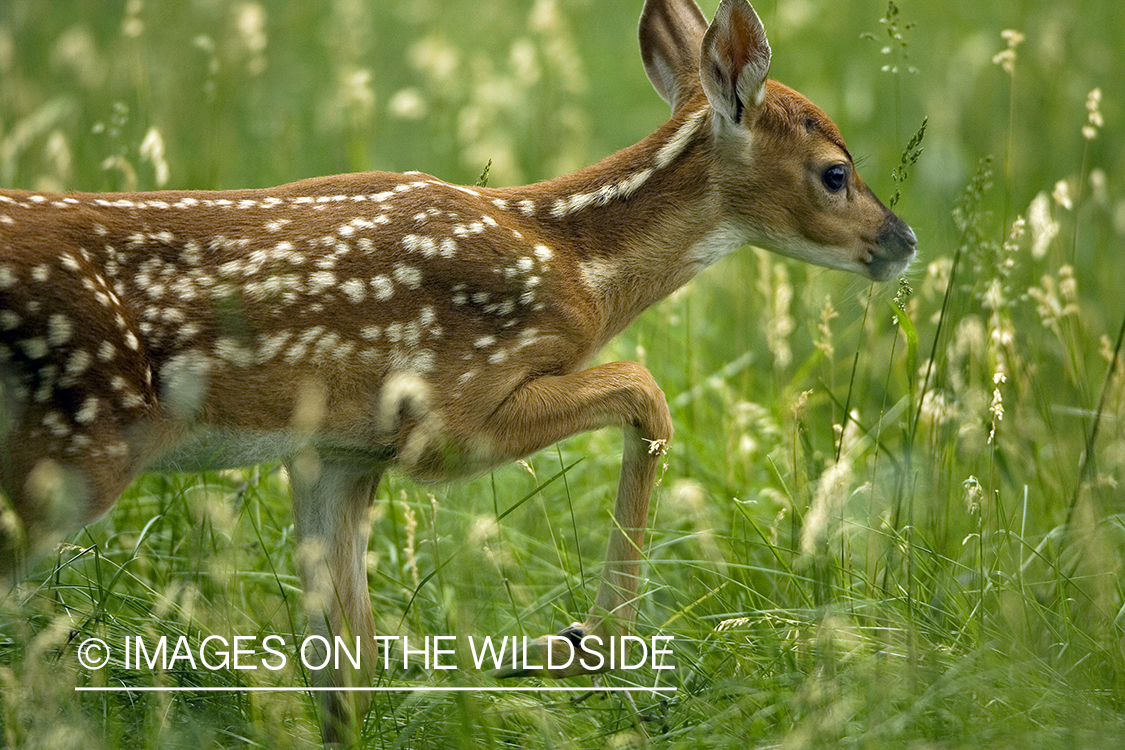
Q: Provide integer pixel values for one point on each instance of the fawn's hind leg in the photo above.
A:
(56, 478)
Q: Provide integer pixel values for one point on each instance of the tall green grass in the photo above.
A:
(882, 523)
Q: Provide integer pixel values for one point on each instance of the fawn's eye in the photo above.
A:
(835, 178)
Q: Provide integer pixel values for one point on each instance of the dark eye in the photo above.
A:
(835, 178)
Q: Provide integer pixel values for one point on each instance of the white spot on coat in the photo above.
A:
(321, 281)
(270, 345)
(408, 276)
(34, 348)
(78, 362)
(383, 287)
(355, 290)
(233, 353)
(88, 412)
(54, 422)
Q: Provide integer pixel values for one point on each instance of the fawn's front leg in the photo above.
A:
(331, 504)
(551, 408)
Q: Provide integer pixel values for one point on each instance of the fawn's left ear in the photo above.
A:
(671, 33)
(735, 60)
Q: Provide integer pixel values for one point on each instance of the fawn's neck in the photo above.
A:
(641, 223)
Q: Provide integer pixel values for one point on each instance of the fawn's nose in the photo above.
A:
(897, 238)
(910, 238)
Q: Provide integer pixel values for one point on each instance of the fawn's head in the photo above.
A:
(787, 181)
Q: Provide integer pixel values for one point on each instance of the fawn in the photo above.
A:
(358, 323)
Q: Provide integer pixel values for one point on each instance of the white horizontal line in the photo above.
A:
(380, 689)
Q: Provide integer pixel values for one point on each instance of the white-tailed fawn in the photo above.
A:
(360, 323)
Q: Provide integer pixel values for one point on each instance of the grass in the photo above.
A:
(877, 527)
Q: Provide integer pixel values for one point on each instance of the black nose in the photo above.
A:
(897, 238)
(910, 238)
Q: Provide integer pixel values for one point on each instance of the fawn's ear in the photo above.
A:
(671, 33)
(735, 60)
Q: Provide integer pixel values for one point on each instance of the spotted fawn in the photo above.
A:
(355, 324)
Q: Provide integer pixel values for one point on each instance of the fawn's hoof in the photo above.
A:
(568, 653)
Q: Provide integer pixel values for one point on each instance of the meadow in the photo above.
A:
(892, 516)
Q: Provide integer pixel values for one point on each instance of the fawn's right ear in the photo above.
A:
(735, 60)
(671, 35)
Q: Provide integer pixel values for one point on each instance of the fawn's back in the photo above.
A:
(130, 321)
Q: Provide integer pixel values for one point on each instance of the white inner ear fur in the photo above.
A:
(663, 79)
